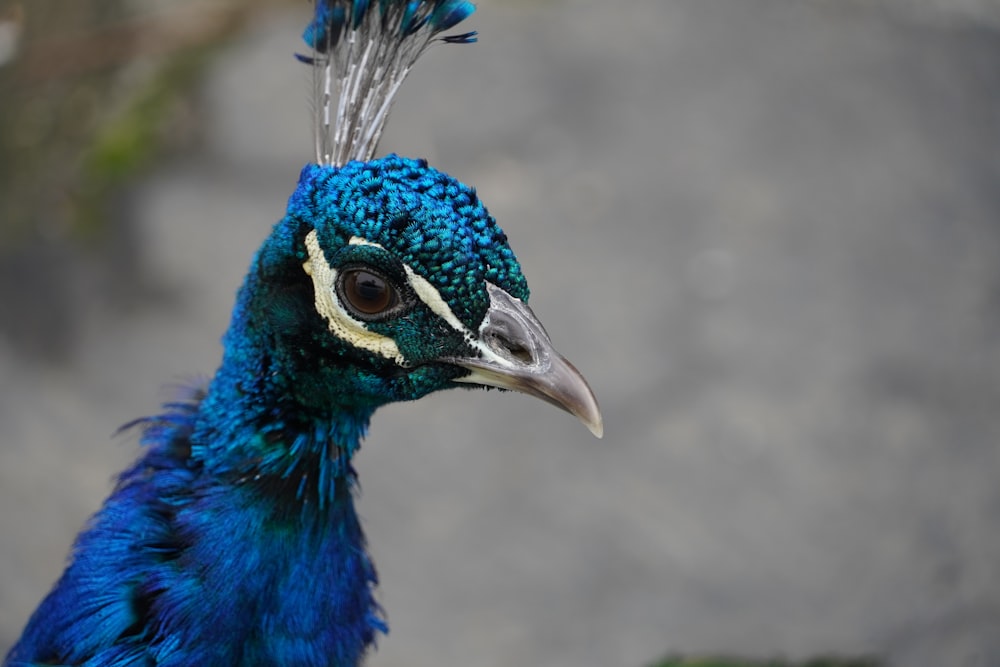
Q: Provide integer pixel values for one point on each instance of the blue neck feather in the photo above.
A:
(234, 540)
(182, 568)
(266, 422)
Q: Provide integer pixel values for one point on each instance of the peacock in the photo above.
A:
(234, 540)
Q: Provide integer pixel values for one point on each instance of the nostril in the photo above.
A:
(510, 348)
(520, 353)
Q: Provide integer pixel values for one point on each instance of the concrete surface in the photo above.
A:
(766, 230)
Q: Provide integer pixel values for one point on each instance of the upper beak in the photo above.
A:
(514, 352)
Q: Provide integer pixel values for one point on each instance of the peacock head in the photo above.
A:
(388, 280)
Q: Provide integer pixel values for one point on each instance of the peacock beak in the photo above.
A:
(515, 352)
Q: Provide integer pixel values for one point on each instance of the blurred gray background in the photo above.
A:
(767, 231)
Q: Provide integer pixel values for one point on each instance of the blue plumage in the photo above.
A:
(180, 568)
(234, 539)
(331, 18)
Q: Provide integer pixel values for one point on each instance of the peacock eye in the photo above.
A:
(367, 293)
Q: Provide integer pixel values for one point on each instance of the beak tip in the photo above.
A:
(585, 408)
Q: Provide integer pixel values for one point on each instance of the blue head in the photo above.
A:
(376, 275)
(385, 281)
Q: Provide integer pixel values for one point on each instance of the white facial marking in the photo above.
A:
(432, 298)
(341, 324)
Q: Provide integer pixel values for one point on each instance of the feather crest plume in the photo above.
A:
(362, 51)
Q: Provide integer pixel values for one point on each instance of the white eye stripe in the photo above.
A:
(353, 331)
(432, 299)
(340, 322)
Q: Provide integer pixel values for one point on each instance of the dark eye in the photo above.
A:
(367, 292)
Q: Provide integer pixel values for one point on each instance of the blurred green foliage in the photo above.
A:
(55, 93)
(93, 91)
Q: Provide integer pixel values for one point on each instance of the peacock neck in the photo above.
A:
(254, 433)
(276, 486)
(296, 585)
(270, 418)
(272, 441)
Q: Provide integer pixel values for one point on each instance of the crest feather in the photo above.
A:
(361, 52)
